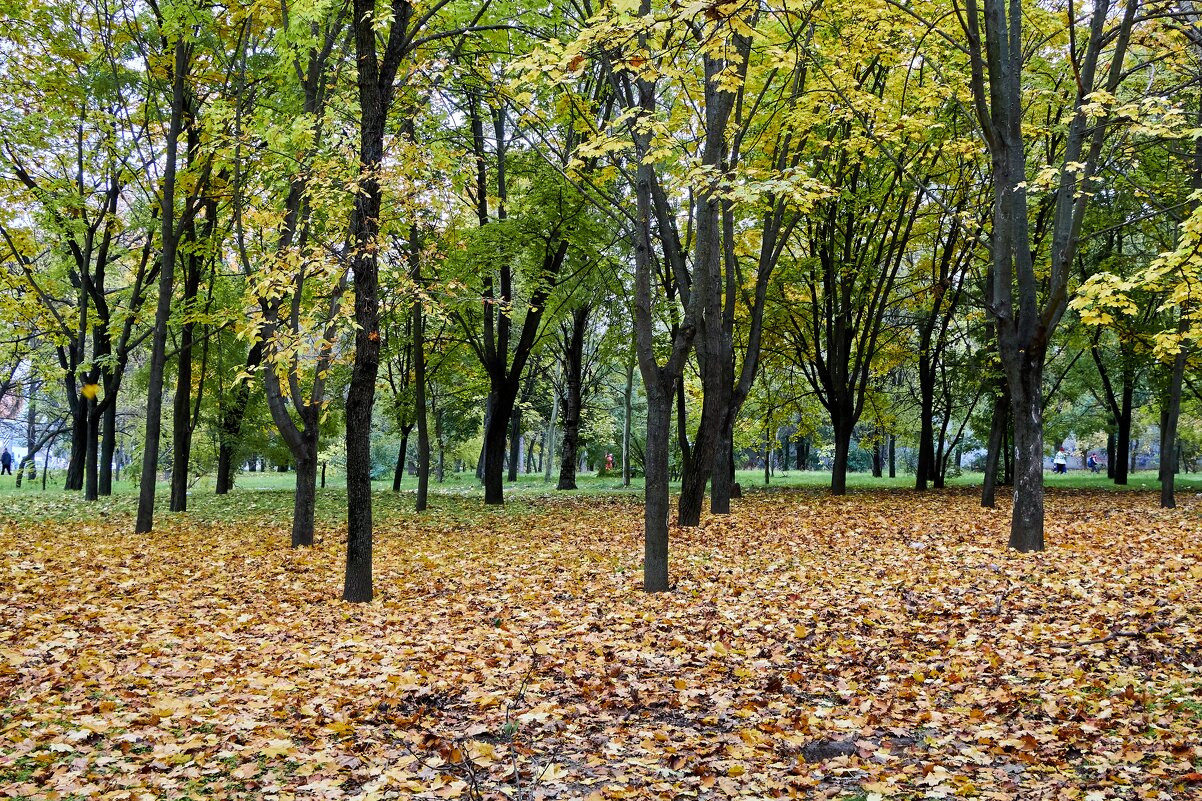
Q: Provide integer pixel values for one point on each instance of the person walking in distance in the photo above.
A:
(1060, 463)
(6, 463)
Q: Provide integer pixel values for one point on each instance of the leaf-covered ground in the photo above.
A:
(880, 645)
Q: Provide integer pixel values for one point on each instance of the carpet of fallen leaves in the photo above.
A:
(883, 645)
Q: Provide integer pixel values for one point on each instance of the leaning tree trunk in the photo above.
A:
(1026, 403)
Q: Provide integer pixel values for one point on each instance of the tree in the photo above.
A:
(1027, 303)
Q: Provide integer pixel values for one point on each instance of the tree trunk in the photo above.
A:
(158, 354)
(504, 396)
(419, 384)
(92, 459)
(399, 473)
(515, 442)
(76, 463)
(926, 413)
(655, 508)
(108, 445)
(1122, 451)
(549, 442)
(878, 464)
(304, 503)
(1026, 402)
(1168, 452)
(626, 412)
(892, 456)
(573, 353)
(843, 433)
(997, 433)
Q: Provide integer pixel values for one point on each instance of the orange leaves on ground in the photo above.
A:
(871, 647)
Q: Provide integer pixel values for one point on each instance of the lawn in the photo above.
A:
(882, 645)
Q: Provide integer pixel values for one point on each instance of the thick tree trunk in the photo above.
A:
(1026, 403)
(722, 480)
(1168, 452)
(503, 400)
(304, 503)
(843, 432)
(878, 463)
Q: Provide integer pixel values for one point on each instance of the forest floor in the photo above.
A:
(881, 645)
